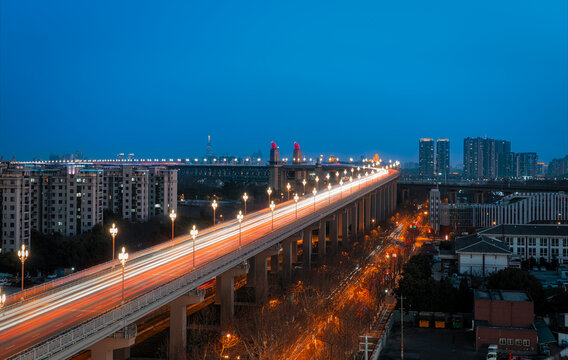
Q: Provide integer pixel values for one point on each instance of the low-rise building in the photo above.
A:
(547, 241)
(505, 318)
(481, 255)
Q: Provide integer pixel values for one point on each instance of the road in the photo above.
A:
(49, 310)
(306, 345)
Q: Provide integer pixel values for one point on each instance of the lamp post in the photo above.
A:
(122, 257)
(296, 198)
(240, 218)
(113, 231)
(288, 187)
(329, 190)
(173, 216)
(214, 206)
(269, 191)
(245, 198)
(336, 175)
(272, 206)
(351, 180)
(341, 187)
(359, 178)
(23, 254)
(327, 177)
(193, 233)
(317, 181)
(315, 191)
(304, 182)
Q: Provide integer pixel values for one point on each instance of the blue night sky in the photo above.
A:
(348, 78)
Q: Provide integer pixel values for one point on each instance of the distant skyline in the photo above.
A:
(339, 78)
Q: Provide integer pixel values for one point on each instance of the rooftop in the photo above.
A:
(481, 244)
(544, 229)
(503, 295)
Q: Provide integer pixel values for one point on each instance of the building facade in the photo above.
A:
(15, 209)
(480, 255)
(506, 319)
(426, 167)
(548, 242)
(443, 157)
(513, 209)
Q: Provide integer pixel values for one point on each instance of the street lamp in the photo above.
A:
(317, 181)
(351, 180)
(341, 187)
(23, 254)
(359, 178)
(245, 198)
(122, 257)
(288, 187)
(240, 218)
(214, 206)
(173, 216)
(329, 189)
(113, 231)
(272, 206)
(193, 233)
(327, 177)
(315, 191)
(296, 198)
(304, 182)
(336, 175)
(269, 191)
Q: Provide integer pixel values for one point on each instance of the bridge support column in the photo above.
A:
(361, 216)
(261, 276)
(373, 198)
(287, 257)
(104, 349)
(321, 240)
(367, 212)
(295, 250)
(307, 248)
(344, 228)
(178, 323)
(333, 237)
(225, 292)
(393, 184)
(274, 264)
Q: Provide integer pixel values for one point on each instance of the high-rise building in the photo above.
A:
(485, 158)
(558, 168)
(434, 214)
(443, 157)
(524, 165)
(15, 222)
(426, 158)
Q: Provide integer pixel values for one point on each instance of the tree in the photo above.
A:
(518, 279)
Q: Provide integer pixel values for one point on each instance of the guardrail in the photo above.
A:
(97, 328)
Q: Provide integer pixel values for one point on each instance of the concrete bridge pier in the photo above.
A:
(178, 322)
(333, 233)
(321, 241)
(225, 292)
(259, 272)
(287, 257)
(367, 211)
(307, 248)
(295, 249)
(344, 228)
(361, 216)
(274, 264)
(353, 221)
(118, 343)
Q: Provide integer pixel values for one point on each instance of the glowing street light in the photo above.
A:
(214, 206)
(113, 231)
(359, 178)
(341, 187)
(351, 180)
(329, 189)
(272, 206)
(240, 219)
(193, 233)
(173, 216)
(23, 254)
(317, 181)
(288, 187)
(122, 257)
(304, 182)
(296, 198)
(245, 198)
(269, 191)
(336, 175)
(327, 177)
(315, 191)
(2, 300)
